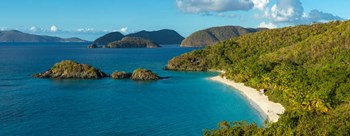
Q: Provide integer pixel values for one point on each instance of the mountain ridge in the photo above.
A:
(18, 36)
(163, 36)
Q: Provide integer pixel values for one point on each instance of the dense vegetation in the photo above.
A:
(68, 69)
(305, 68)
(132, 42)
(213, 35)
(120, 75)
(142, 74)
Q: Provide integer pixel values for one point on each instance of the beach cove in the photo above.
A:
(268, 109)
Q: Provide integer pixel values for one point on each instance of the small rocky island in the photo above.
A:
(142, 74)
(120, 75)
(93, 45)
(68, 69)
(133, 42)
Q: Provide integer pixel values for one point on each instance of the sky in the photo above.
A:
(89, 19)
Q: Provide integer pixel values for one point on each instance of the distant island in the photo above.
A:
(164, 36)
(108, 38)
(12, 36)
(213, 35)
(132, 42)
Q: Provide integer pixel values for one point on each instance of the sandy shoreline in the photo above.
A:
(268, 109)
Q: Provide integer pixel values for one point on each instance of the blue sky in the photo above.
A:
(90, 19)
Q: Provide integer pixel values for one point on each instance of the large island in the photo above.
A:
(305, 68)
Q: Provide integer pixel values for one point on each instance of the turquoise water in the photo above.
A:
(184, 104)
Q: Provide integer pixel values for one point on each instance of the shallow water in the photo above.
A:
(184, 104)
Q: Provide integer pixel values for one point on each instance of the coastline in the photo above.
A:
(259, 101)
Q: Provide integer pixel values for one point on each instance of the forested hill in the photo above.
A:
(213, 35)
(305, 68)
(164, 36)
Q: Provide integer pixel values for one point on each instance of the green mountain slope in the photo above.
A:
(305, 68)
(110, 37)
(213, 35)
(164, 36)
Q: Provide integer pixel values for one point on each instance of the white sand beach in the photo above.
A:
(258, 100)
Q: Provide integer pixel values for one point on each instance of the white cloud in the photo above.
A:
(226, 15)
(260, 4)
(206, 6)
(267, 25)
(292, 12)
(316, 15)
(287, 11)
(85, 30)
(53, 28)
(124, 30)
(3, 28)
(33, 29)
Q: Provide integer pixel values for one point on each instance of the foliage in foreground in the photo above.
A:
(306, 68)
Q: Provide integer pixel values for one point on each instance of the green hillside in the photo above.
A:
(305, 68)
(110, 37)
(213, 35)
(133, 42)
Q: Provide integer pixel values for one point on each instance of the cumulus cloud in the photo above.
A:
(207, 6)
(287, 11)
(53, 28)
(292, 12)
(267, 25)
(33, 29)
(124, 30)
(277, 13)
(316, 15)
(260, 4)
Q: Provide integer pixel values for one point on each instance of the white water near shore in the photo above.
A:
(268, 109)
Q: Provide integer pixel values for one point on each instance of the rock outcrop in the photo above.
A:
(120, 75)
(93, 45)
(68, 69)
(144, 75)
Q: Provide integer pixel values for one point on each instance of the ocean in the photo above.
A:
(185, 104)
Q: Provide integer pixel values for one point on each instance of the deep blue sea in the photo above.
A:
(184, 104)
